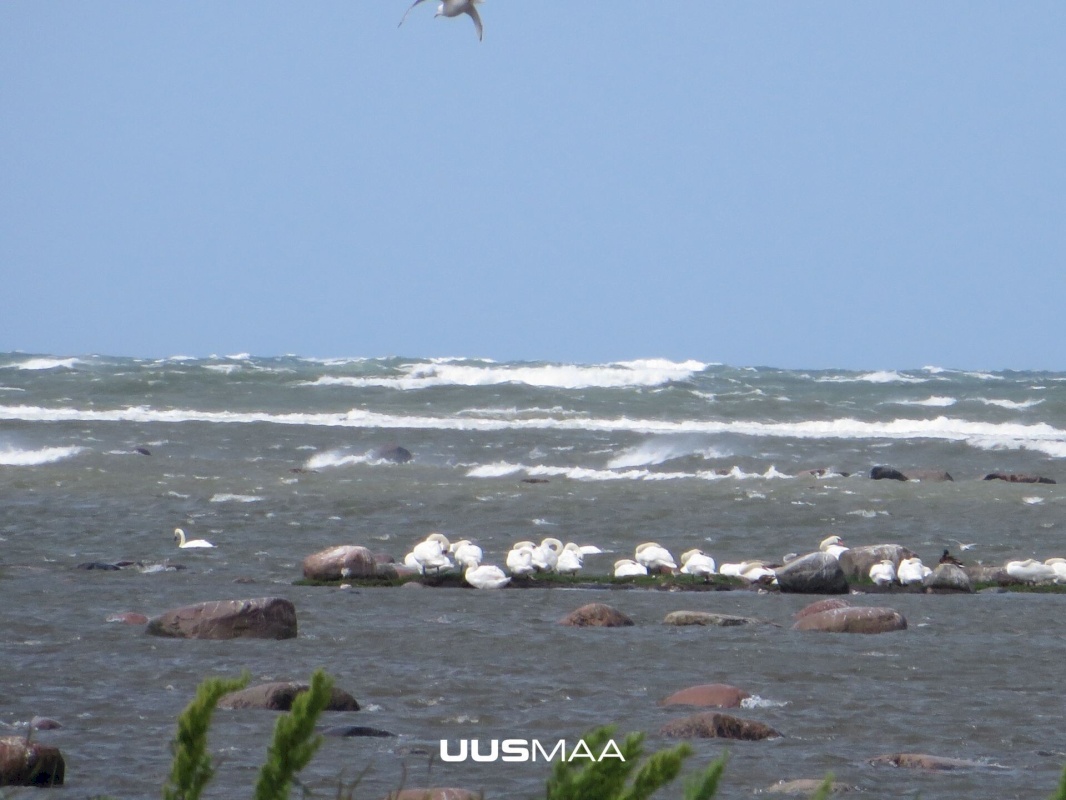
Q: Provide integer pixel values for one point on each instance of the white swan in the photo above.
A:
(883, 573)
(756, 570)
(432, 554)
(570, 560)
(832, 545)
(628, 568)
(654, 557)
(696, 562)
(1031, 571)
(546, 554)
(520, 559)
(179, 537)
(466, 553)
(739, 569)
(912, 570)
(486, 576)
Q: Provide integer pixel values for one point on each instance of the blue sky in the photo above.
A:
(796, 184)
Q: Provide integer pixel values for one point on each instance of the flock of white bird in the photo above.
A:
(435, 554)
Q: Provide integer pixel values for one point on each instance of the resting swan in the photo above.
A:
(883, 573)
(628, 568)
(431, 554)
(520, 559)
(486, 576)
(179, 537)
(1031, 571)
(832, 545)
(466, 553)
(912, 570)
(570, 560)
(546, 555)
(654, 557)
(696, 562)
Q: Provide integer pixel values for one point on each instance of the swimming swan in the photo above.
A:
(179, 537)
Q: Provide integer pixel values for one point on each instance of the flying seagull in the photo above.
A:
(453, 8)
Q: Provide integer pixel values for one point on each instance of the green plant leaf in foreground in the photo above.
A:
(191, 768)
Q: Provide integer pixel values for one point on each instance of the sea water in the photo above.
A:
(275, 458)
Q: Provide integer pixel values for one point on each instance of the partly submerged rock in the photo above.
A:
(853, 620)
(948, 578)
(28, 763)
(437, 793)
(1017, 478)
(340, 561)
(856, 561)
(707, 695)
(709, 618)
(806, 787)
(278, 696)
(259, 618)
(928, 762)
(711, 725)
(596, 615)
(354, 731)
(814, 573)
(821, 605)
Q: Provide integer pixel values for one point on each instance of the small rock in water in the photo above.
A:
(716, 695)
(596, 615)
(710, 725)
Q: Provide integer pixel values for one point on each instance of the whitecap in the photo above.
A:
(933, 401)
(16, 457)
(45, 363)
(761, 702)
(659, 451)
(1040, 437)
(222, 497)
(1009, 404)
(880, 376)
(1032, 501)
(622, 374)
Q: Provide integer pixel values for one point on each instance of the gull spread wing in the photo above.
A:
(472, 11)
(408, 11)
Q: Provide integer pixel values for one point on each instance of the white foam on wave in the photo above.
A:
(222, 497)
(621, 374)
(659, 451)
(929, 402)
(1039, 437)
(45, 363)
(1032, 501)
(16, 457)
(761, 702)
(225, 369)
(503, 469)
(1009, 404)
(880, 376)
(335, 458)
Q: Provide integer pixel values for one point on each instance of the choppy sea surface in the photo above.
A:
(275, 458)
